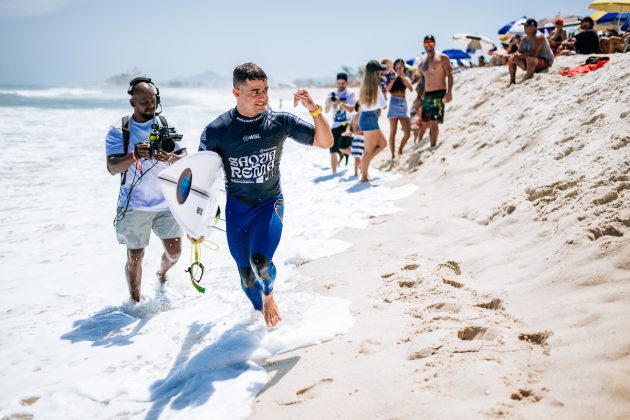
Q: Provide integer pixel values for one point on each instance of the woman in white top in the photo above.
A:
(372, 101)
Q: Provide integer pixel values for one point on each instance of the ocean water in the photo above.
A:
(72, 345)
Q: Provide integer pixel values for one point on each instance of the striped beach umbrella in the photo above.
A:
(550, 22)
(473, 42)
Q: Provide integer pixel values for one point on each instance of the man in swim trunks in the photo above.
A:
(534, 54)
(438, 87)
(249, 138)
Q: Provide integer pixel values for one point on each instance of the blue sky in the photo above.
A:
(79, 42)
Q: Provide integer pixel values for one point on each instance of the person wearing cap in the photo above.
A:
(341, 102)
(372, 101)
(534, 54)
(438, 86)
(557, 36)
(584, 42)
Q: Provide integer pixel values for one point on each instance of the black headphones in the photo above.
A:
(143, 79)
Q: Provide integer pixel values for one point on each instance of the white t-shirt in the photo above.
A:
(380, 103)
(340, 116)
(147, 194)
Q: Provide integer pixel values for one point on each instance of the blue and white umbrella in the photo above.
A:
(516, 28)
(505, 29)
(473, 42)
(455, 54)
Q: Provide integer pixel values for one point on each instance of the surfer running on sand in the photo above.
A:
(141, 205)
(249, 138)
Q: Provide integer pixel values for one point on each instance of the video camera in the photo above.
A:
(163, 139)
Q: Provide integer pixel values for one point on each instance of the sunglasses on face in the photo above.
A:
(429, 44)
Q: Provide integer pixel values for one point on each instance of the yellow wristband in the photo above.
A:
(316, 112)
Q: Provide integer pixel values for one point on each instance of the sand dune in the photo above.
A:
(502, 287)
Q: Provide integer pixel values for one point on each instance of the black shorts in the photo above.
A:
(340, 142)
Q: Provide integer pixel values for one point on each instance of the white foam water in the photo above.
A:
(72, 344)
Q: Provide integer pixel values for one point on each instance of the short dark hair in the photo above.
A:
(588, 20)
(342, 76)
(247, 71)
(531, 22)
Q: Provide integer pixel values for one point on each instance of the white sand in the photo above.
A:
(502, 288)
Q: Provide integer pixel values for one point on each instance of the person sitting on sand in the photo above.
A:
(514, 45)
(534, 54)
(613, 42)
(584, 42)
(557, 36)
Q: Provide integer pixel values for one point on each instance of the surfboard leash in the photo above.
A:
(196, 268)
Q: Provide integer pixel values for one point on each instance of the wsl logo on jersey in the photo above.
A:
(252, 137)
(255, 168)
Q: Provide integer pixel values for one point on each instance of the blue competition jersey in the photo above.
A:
(251, 148)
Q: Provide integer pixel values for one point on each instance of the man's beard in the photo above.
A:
(147, 115)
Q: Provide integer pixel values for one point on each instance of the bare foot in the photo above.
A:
(161, 276)
(270, 311)
(365, 180)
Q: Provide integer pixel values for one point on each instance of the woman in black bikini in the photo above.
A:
(556, 36)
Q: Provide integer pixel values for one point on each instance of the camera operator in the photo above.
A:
(141, 204)
(342, 104)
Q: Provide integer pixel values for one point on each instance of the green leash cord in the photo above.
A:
(196, 269)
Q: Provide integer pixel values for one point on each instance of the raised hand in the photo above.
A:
(302, 96)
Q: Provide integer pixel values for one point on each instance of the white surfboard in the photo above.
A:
(192, 188)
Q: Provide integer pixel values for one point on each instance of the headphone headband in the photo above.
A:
(143, 79)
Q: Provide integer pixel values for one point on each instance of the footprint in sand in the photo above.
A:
(410, 267)
(476, 333)
(539, 338)
(444, 307)
(451, 265)
(494, 304)
(453, 283)
(312, 391)
(369, 346)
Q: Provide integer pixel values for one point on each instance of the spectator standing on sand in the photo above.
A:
(438, 86)
(341, 102)
(372, 101)
(398, 109)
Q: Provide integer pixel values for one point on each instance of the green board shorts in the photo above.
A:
(433, 106)
(135, 228)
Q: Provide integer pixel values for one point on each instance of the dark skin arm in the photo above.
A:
(119, 163)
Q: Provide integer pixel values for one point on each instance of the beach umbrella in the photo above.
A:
(611, 5)
(506, 28)
(473, 42)
(517, 27)
(550, 22)
(455, 54)
(604, 20)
